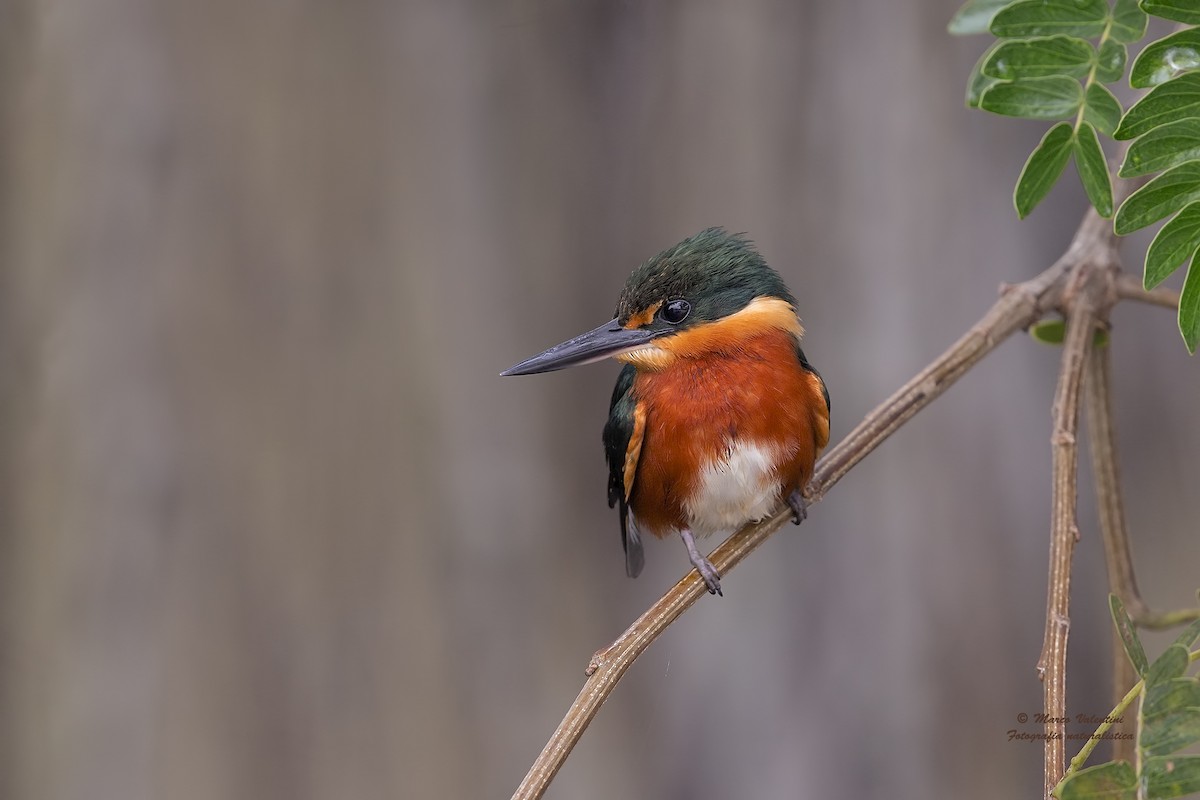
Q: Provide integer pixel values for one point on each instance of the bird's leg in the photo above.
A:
(799, 506)
(708, 572)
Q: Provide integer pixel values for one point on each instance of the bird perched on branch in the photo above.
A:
(717, 414)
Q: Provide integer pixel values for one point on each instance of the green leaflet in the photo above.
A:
(975, 16)
(1128, 22)
(1110, 61)
(1054, 331)
(1128, 634)
(1086, 18)
(1172, 663)
(1161, 197)
(1164, 59)
(1178, 10)
(979, 83)
(1093, 169)
(1172, 694)
(1115, 780)
(1171, 776)
(1189, 308)
(1102, 109)
(1162, 148)
(1038, 58)
(1189, 635)
(1175, 243)
(1055, 97)
(1163, 734)
(1045, 164)
(1171, 101)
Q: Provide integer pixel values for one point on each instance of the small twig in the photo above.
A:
(609, 665)
(1130, 288)
(1064, 529)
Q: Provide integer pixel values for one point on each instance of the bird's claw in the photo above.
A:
(712, 579)
(799, 506)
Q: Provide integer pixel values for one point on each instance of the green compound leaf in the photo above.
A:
(979, 83)
(1045, 165)
(1164, 59)
(1128, 634)
(1162, 148)
(1189, 308)
(1102, 109)
(1115, 780)
(976, 16)
(1056, 97)
(1171, 695)
(1128, 22)
(1110, 62)
(1178, 10)
(1161, 197)
(1178, 241)
(1037, 58)
(1093, 170)
(1173, 100)
(1086, 18)
(1171, 776)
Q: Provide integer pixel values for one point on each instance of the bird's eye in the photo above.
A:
(676, 311)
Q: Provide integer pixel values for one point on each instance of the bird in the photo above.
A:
(717, 413)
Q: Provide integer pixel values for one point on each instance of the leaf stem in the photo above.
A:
(1084, 752)
(1091, 76)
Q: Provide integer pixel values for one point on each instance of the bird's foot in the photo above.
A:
(709, 573)
(798, 505)
(712, 578)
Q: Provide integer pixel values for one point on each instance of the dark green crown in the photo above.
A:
(716, 272)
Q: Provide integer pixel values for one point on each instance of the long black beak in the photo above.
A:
(602, 342)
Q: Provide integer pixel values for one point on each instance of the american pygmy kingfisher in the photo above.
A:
(717, 414)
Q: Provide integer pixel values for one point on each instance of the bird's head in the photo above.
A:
(711, 292)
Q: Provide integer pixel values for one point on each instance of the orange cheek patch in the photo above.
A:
(643, 317)
(761, 315)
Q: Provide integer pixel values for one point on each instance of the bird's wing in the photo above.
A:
(622, 446)
(822, 427)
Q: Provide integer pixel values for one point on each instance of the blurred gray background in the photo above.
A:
(272, 527)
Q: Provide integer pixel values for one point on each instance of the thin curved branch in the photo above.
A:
(1117, 553)
(1130, 288)
(1117, 556)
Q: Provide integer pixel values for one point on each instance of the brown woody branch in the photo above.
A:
(1130, 288)
(1081, 305)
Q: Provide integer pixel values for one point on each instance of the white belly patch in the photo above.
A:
(736, 489)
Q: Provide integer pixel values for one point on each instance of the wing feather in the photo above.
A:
(623, 435)
(822, 427)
